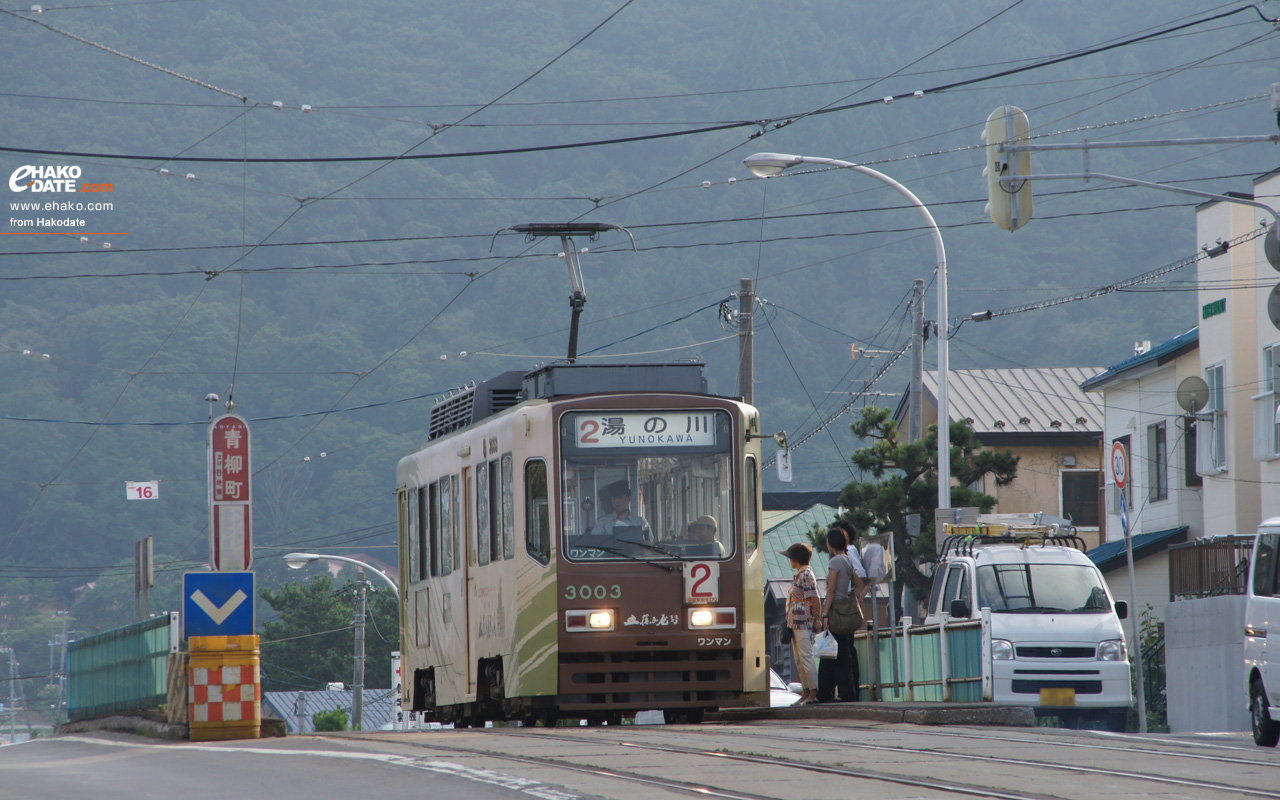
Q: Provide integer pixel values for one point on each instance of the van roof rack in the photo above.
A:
(961, 539)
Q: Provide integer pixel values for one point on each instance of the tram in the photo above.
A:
(582, 541)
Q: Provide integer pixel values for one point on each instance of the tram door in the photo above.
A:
(466, 562)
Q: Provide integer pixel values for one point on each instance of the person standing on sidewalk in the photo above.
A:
(844, 576)
(803, 612)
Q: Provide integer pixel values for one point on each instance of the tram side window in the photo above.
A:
(508, 507)
(494, 490)
(433, 528)
(537, 534)
(448, 522)
(750, 498)
(483, 532)
(421, 504)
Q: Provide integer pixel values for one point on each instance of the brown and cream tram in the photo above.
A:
(581, 541)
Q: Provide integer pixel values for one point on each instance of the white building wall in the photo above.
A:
(1232, 498)
(1204, 665)
(1152, 577)
(1131, 406)
(1266, 191)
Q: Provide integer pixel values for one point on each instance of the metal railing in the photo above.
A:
(1210, 567)
(124, 669)
(942, 662)
(1153, 681)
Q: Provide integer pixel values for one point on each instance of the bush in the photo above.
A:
(335, 720)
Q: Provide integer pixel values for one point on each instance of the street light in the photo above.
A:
(300, 560)
(765, 165)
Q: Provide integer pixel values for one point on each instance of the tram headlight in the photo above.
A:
(717, 618)
(582, 620)
(1112, 650)
(1001, 650)
(701, 618)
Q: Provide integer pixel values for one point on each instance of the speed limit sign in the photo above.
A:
(1119, 464)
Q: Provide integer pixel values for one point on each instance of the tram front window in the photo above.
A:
(647, 496)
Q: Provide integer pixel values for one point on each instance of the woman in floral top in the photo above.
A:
(803, 609)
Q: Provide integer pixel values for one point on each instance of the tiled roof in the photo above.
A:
(1152, 356)
(1044, 400)
(777, 567)
(1112, 554)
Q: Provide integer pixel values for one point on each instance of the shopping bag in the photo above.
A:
(824, 646)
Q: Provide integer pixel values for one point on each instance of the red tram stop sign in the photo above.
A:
(230, 501)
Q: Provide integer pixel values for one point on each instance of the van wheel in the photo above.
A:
(1266, 731)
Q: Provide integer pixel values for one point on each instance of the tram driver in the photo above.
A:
(622, 524)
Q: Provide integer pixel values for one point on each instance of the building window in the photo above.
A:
(1211, 445)
(1157, 463)
(1189, 453)
(1266, 415)
(1080, 497)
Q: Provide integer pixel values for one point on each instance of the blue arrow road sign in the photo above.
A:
(217, 604)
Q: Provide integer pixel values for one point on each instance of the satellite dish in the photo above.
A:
(1193, 394)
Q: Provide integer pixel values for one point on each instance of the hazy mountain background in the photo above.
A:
(373, 276)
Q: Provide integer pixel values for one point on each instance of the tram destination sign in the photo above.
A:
(608, 429)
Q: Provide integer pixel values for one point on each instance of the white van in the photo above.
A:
(1056, 640)
(1262, 611)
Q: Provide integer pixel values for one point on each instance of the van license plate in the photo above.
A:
(1058, 696)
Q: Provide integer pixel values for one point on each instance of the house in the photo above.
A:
(1041, 416)
(1239, 447)
(1162, 496)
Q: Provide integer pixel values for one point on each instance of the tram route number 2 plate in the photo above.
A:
(702, 582)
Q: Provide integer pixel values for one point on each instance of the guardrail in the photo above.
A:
(124, 669)
(944, 662)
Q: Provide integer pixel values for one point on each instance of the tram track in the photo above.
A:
(701, 789)
(935, 753)
(1022, 762)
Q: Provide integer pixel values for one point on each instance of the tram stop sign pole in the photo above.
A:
(230, 495)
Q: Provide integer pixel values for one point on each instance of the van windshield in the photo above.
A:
(1042, 589)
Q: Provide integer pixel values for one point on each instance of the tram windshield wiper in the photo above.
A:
(653, 547)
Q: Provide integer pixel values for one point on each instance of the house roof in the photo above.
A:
(378, 707)
(1160, 354)
(1046, 400)
(777, 567)
(1111, 555)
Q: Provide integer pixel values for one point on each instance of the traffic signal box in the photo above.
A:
(1008, 202)
(224, 688)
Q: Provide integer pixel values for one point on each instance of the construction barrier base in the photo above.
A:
(224, 689)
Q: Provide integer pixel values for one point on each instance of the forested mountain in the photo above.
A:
(331, 293)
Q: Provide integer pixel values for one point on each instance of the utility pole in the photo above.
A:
(915, 422)
(746, 340)
(357, 682)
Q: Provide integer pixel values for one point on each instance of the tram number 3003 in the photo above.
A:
(597, 592)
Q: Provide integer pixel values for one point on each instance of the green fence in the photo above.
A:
(920, 657)
(124, 669)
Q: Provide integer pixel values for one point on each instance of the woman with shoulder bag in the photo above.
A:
(844, 582)
(803, 609)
